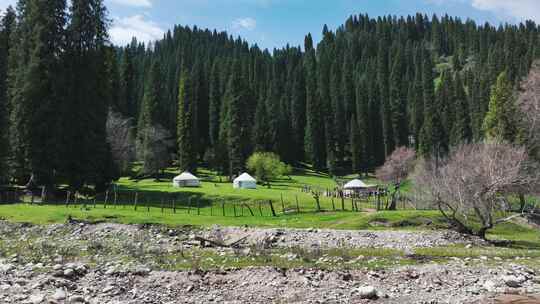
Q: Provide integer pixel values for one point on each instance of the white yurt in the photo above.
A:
(356, 186)
(186, 179)
(245, 181)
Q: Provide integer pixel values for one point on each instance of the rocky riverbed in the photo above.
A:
(113, 263)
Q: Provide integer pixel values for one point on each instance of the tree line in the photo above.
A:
(343, 105)
(200, 96)
(55, 94)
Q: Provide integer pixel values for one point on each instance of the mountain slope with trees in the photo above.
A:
(343, 105)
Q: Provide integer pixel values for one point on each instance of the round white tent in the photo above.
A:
(245, 181)
(186, 179)
(356, 185)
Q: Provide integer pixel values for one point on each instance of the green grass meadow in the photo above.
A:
(217, 203)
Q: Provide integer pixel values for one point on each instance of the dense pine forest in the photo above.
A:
(76, 110)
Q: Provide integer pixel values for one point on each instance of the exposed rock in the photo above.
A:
(367, 292)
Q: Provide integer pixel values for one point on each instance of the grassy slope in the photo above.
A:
(214, 191)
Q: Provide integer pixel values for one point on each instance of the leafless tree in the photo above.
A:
(529, 104)
(397, 167)
(120, 135)
(154, 149)
(473, 184)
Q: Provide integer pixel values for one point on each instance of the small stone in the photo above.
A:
(59, 295)
(69, 273)
(513, 281)
(367, 292)
(57, 267)
(77, 299)
(190, 288)
(36, 299)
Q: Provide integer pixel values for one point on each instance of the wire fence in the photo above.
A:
(198, 204)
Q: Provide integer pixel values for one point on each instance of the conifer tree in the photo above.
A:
(35, 89)
(501, 121)
(149, 117)
(261, 137)
(314, 138)
(214, 105)
(90, 96)
(383, 83)
(187, 160)
(398, 104)
(356, 147)
(431, 135)
(127, 103)
(461, 130)
(235, 97)
(7, 26)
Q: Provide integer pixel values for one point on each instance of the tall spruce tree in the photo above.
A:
(187, 160)
(149, 117)
(501, 122)
(7, 26)
(461, 130)
(90, 96)
(314, 138)
(35, 89)
(235, 97)
(386, 111)
(432, 133)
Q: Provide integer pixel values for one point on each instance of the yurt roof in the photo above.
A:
(245, 178)
(185, 176)
(356, 183)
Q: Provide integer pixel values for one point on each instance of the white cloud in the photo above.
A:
(516, 10)
(137, 3)
(124, 29)
(247, 23)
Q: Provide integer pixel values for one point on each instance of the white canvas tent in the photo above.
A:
(356, 185)
(186, 179)
(245, 181)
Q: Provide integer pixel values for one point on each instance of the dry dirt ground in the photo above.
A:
(112, 263)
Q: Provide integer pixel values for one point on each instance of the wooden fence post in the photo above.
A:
(282, 204)
(333, 204)
(174, 205)
(189, 206)
(162, 210)
(136, 201)
(198, 206)
(297, 205)
(115, 195)
(76, 199)
(272, 208)
(107, 198)
(223, 207)
(67, 198)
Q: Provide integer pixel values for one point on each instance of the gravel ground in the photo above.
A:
(334, 238)
(54, 274)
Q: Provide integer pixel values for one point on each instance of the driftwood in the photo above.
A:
(204, 242)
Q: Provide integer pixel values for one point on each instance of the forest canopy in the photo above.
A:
(342, 105)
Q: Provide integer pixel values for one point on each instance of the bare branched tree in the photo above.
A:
(397, 167)
(474, 183)
(529, 105)
(120, 135)
(154, 149)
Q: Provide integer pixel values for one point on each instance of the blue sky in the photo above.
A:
(274, 23)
